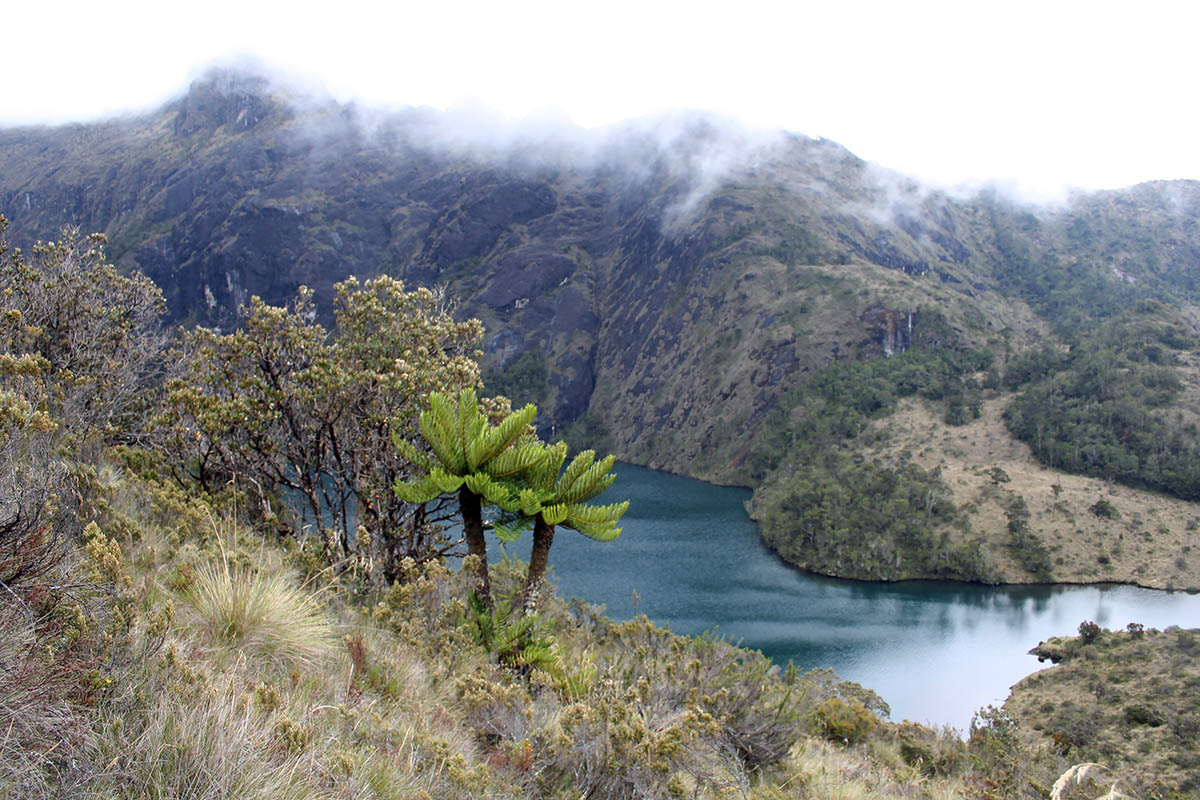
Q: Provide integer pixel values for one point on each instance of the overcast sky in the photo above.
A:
(1040, 95)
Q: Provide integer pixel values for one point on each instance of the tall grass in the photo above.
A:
(212, 747)
(262, 614)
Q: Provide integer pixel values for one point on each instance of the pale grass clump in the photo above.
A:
(41, 735)
(261, 614)
(823, 771)
(211, 746)
(1085, 781)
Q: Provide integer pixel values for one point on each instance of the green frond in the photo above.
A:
(544, 474)
(501, 437)
(522, 458)
(491, 490)
(420, 491)
(444, 481)
(596, 522)
(471, 424)
(583, 512)
(574, 470)
(440, 427)
(511, 527)
(601, 533)
(555, 514)
(532, 501)
(537, 655)
(511, 502)
(411, 453)
(590, 481)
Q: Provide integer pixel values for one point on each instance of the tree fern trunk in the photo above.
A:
(543, 537)
(472, 517)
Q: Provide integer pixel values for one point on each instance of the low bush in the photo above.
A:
(841, 721)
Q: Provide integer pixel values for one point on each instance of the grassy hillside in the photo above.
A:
(209, 661)
(1123, 698)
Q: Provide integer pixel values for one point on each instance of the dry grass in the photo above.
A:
(1151, 542)
(213, 746)
(262, 614)
(1081, 781)
(823, 771)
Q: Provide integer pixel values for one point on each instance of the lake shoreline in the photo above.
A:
(935, 650)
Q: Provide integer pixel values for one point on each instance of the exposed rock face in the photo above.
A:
(892, 329)
(670, 301)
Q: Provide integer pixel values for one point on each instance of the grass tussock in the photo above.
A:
(215, 745)
(261, 614)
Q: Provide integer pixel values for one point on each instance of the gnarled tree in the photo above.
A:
(286, 406)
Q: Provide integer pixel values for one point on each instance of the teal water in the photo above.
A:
(936, 652)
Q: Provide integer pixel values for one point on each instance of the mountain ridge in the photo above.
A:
(664, 298)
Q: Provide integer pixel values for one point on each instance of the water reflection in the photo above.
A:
(935, 651)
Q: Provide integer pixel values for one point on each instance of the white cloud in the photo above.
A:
(1039, 94)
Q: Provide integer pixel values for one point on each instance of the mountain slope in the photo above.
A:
(668, 288)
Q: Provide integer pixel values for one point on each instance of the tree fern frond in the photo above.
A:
(514, 461)
(601, 533)
(445, 481)
(501, 437)
(580, 516)
(555, 514)
(491, 490)
(579, 465)
(471, 423)
(590, 482)
(411, 453)
(532, 501)
(420, 491)
(545, 473)
(439, 426)
(511, 527)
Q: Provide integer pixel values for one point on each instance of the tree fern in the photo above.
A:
(480, 461)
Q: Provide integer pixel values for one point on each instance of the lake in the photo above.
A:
(935, 651)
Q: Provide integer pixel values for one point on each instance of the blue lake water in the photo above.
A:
(935, 651)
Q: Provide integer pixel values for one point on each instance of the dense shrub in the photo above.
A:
(287, 408)
(844, 721)
(1089, 631)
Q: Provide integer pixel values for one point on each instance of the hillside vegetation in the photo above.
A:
(1123, 698)
(740, 308)
(963, 459)
(171, 627)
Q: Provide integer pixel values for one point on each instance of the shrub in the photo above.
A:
(1072, 728)
(842, 721)
(759, 711)
(1089, 631)
(925, 749)
(1139, 714)
(1104, 509)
